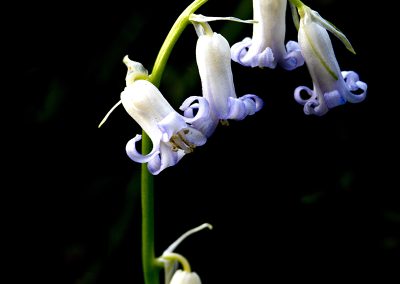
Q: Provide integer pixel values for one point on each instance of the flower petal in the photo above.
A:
(264, 59)
(201, 108)
(166, 158)
(214, 64)
(199, 115)
(334, 99)
(266, 48)
(246, 105)
(237, 109)
(293, 58)
(315, 107)
(194, 136)
(170, 125)
(298, 97)
(259, 103)
(135, 155)
(147, 106)
(239, 50)
(185, 277)
(240, 54)
(312, 105)
(318, 53)
(355, 85)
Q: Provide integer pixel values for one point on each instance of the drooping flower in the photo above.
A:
(171, 259)
(185, 277)
(171, 136)
(266, 48)
(331, 87)
(214, 63)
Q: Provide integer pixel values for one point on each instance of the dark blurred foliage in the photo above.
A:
(291, 197)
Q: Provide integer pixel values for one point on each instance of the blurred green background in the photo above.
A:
(290, 196)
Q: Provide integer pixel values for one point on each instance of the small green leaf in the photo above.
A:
(295, 16)
(334, 30)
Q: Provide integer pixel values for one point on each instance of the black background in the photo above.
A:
(290, 196)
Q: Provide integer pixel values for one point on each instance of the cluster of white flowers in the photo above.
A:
(174, 134)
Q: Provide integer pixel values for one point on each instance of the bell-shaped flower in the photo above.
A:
(171, 260)
(266, 48)
(184, 277)
(331, 87)
(171, 136)
(214, 64)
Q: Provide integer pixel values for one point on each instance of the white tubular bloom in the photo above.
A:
(266, 48)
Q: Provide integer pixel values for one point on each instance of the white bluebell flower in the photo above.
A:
(169, 132)
(214, 64)
(266, 48)
(171, 260)
(185, 277)
(331, 87)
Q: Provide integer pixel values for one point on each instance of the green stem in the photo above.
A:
(296, 3)
(169, 42)
(152, 266)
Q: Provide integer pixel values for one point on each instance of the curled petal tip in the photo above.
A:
(135, 155)
(357, 89)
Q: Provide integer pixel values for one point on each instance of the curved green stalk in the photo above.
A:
(152, 266)
(169, 42)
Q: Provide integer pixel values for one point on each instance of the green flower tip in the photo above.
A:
(136, 71)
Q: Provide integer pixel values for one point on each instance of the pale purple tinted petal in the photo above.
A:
(297, 94)
(244, 106)
(237, 109)
(205, 121)
(334, 99)
(314, 107)
(294, 58)
(309, 107)
(154, 165)
(202, 108)
(258, 101)
(189, 112)
(165, 159)
(351, 77)
(194, 136)
(311, 104)
(264, 59)
(354, 85)
(206, 125)
(239, 54)
(239, 50)
(249, 105)
(135, 155)
(170, 125)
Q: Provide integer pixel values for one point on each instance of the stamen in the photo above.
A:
(174, 145)
(224, 122)
(178, 144)
(187, 143)
(178, 141)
